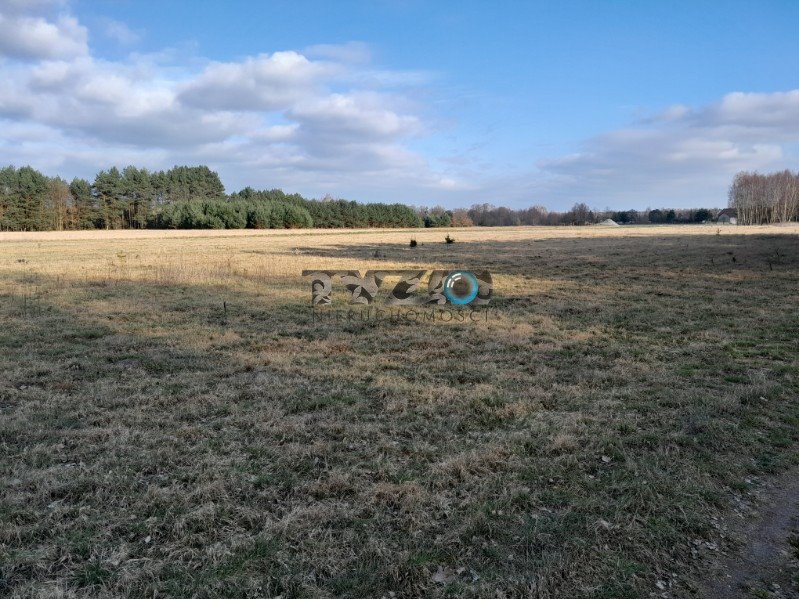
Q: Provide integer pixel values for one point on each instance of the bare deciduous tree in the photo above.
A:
(765, 198)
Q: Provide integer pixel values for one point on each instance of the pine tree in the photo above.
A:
(85, 211)
(108, 190)
(137, 193)
(30, 200)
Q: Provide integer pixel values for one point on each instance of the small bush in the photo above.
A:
(413, 243)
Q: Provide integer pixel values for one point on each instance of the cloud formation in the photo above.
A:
(27, 37)
(681, 156)
(262, 83)
(278, 119)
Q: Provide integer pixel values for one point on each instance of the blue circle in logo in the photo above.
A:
(460, 287)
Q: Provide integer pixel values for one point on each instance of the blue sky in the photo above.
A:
(618, 104)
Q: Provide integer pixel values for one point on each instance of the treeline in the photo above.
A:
(227, 214)
(131, 198)
(181, 198)
(330, 213)
(193, 197)
(487, 215)
(765, 198)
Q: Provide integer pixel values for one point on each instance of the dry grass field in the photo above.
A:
(173, 424)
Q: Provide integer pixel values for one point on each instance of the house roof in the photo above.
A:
(731, 212)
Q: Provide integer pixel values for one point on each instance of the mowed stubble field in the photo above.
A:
(172, 424)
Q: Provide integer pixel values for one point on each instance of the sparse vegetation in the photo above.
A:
(172, 423)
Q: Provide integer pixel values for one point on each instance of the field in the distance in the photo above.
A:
(172, 424)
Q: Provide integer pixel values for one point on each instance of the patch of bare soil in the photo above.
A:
(767, 563)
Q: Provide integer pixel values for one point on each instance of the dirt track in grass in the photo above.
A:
(766, 524)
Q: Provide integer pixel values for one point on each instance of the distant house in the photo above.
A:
(728, 216)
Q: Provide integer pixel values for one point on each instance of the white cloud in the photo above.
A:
(265, 82)
(33, 37)
(358, 115)
(113, 103)
(754, 117)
